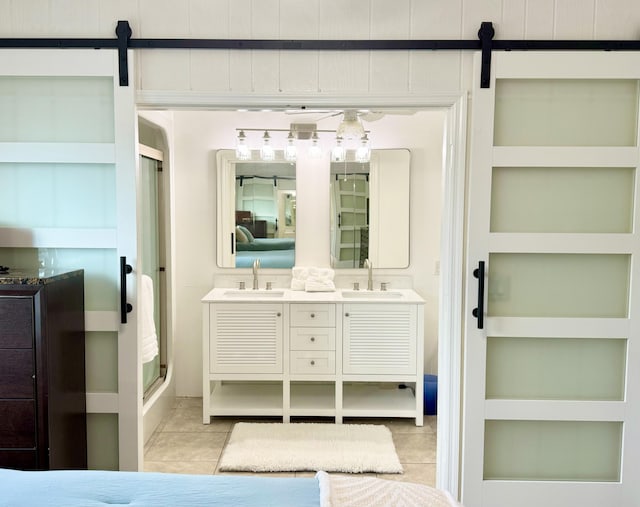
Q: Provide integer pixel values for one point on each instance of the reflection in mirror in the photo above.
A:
(256, 213)
(370, 211)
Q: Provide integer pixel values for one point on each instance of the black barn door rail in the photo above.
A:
(485, 43)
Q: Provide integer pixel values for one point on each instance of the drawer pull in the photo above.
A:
(313, 362)
(313, 315)
(346, 314)
(313, 338)
(278, 314)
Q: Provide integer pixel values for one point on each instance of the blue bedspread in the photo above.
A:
(144, 489)
(265, 244)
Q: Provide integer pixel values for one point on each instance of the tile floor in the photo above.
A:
(182, 444)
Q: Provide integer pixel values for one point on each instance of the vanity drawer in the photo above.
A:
(313, 338)
(313, 315)
(312, 362)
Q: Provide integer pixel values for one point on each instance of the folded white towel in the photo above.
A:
(297, 284)
(300, 273)
(322, 273)
(316, 285)
(149, 336)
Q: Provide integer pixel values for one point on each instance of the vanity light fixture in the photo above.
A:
(314, 149)
(242, 150)
(342, 150)
(290, 150)
(338, 153)
(363, 152)
(267, 152)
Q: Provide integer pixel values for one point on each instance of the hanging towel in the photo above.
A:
(149, 336)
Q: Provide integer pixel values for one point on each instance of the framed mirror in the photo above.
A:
(370, 211)
(256, 212)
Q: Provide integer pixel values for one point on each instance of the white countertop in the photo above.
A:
(231, 295)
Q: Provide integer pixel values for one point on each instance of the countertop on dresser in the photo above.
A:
(35, 277)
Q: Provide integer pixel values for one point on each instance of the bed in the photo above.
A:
(272, 252)
(91, 488)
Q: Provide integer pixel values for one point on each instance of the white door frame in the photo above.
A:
(452, 233)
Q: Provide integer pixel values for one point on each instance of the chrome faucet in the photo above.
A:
(256, 266)
(369, 265)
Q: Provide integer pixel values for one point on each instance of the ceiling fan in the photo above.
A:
(351, 126)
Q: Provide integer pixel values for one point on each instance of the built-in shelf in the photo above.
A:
(246, 398)
(313, 399)
(370, 400)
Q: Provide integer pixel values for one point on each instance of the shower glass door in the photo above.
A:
(150, 255)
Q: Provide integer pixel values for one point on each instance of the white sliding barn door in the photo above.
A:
(68, 201)
(552, 380)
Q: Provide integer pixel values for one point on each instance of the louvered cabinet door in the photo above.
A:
(246, 338)
(379, 339)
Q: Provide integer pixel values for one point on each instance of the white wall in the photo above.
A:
(199, 134)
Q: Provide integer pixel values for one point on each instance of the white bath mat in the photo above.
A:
(278, 447)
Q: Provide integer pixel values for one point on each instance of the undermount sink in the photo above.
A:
(254, 293)
(369, 294)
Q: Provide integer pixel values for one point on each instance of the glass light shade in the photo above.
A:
(363, 153)
(242, 150)
(350, 128)
(338, 153)
(314, 149)
(290, 150)
(266, 151)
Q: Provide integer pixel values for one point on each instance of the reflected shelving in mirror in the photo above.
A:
(370, 211)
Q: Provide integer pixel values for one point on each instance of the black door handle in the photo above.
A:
(478, 312)
(125, 307)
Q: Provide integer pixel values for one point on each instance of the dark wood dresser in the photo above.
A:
(42, 371)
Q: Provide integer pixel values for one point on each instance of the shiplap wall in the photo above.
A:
(313, 72)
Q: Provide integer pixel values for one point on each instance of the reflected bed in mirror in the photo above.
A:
(370, 211)
(256, 212)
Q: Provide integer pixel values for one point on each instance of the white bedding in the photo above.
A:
(359, 491)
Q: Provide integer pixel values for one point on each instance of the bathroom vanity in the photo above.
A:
(313, 354)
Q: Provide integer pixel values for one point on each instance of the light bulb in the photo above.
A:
(363, 153)
(350, 127)
(266, 151)
(242, 150)
(338, 152)
(314, 149)
(290, 151)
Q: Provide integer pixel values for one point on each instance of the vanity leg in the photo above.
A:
(286, 401)
(338, 407)
(419, 403)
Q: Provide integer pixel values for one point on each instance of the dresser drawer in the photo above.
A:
(313, 338)
(16, 373)
(313, 315)
(312, 362)
(16, 322)
(19, 459)
(17, 424)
